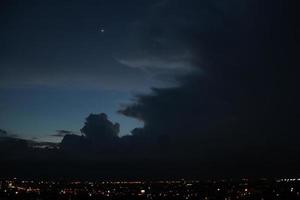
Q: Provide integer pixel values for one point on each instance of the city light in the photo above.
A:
(152, 190)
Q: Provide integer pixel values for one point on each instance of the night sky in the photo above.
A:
(57, 65)
(205, 82)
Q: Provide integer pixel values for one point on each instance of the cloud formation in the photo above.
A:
(62, 133)
(7, 134)
(99, 134)
(242, 105)
(98, 126)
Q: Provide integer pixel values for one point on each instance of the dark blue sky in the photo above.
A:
(39, 112)
(57, 66)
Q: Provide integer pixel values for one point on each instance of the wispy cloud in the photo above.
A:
(7, 134)
(3, 132)
(62, 133)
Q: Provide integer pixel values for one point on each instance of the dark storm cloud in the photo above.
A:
(98, 126)
(243, 103)
(98, 133)
(164, 46)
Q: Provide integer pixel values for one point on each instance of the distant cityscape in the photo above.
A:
(260, 189)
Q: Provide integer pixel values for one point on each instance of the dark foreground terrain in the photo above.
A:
(262, 189)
